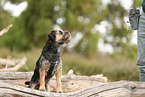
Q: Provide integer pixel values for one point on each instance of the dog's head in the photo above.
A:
(60, 36)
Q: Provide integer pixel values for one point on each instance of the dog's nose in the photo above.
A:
(69, 35)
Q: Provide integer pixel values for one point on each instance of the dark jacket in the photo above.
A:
(143, 5)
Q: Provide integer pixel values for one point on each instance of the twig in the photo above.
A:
(5, 30)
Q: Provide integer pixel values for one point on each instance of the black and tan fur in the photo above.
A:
(49, 62)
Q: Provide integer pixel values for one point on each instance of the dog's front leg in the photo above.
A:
(47, 85)
(42, 79)
(58, 77)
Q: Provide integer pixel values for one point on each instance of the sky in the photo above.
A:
(126, 3)
(17, 9)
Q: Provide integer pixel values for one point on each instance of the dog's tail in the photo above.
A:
(27, 82)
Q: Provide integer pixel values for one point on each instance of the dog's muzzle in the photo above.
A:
(67, 36)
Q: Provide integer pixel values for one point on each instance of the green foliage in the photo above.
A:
(15, 1)
(118, 32)
(137, 3)
(16, 38)
(38, 19)
(33, 25)
(81, 16)
(30, 28)
(40, 38)
(128, 51)
(5, 17)
(88, 45)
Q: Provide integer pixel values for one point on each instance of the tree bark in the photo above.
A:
(12, 84)
(70, 82)
(112, 89)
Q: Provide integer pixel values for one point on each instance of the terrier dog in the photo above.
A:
(49, 62)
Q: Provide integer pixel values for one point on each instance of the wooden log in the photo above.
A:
(9, 62)
(112, 89)
(17, 63)
(70, 82)
(6, 88)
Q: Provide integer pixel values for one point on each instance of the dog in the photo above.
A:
(49, 62)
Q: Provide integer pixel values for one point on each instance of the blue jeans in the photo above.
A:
(141, 47)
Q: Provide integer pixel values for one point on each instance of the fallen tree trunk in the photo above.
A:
(113, 89)
(12, 84)
(16, 63)
(70, 81)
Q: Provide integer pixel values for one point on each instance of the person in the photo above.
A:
(141, 44)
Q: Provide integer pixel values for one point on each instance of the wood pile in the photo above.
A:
(12, 85)
(113, 89)
(12, 64)
(70, 82)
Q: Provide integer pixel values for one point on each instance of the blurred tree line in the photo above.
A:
(30, 29)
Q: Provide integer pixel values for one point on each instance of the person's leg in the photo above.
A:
(142, 74)
(141, 48)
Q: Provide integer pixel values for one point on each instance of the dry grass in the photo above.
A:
(115, 68)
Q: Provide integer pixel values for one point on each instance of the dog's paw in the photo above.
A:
(59, 91)
(47, 89)
(42, 89)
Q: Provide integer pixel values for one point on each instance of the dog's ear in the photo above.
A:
(51, 35)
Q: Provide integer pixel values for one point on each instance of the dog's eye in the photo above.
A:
(60, 32)
(53, 31)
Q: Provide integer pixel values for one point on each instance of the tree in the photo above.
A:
(32, 26)
(81, 16)
(5, 16)
(116, 34)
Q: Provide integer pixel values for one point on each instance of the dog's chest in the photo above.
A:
(51, 53)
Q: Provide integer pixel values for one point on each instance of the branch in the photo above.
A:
(16, 63)
(5, 30)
